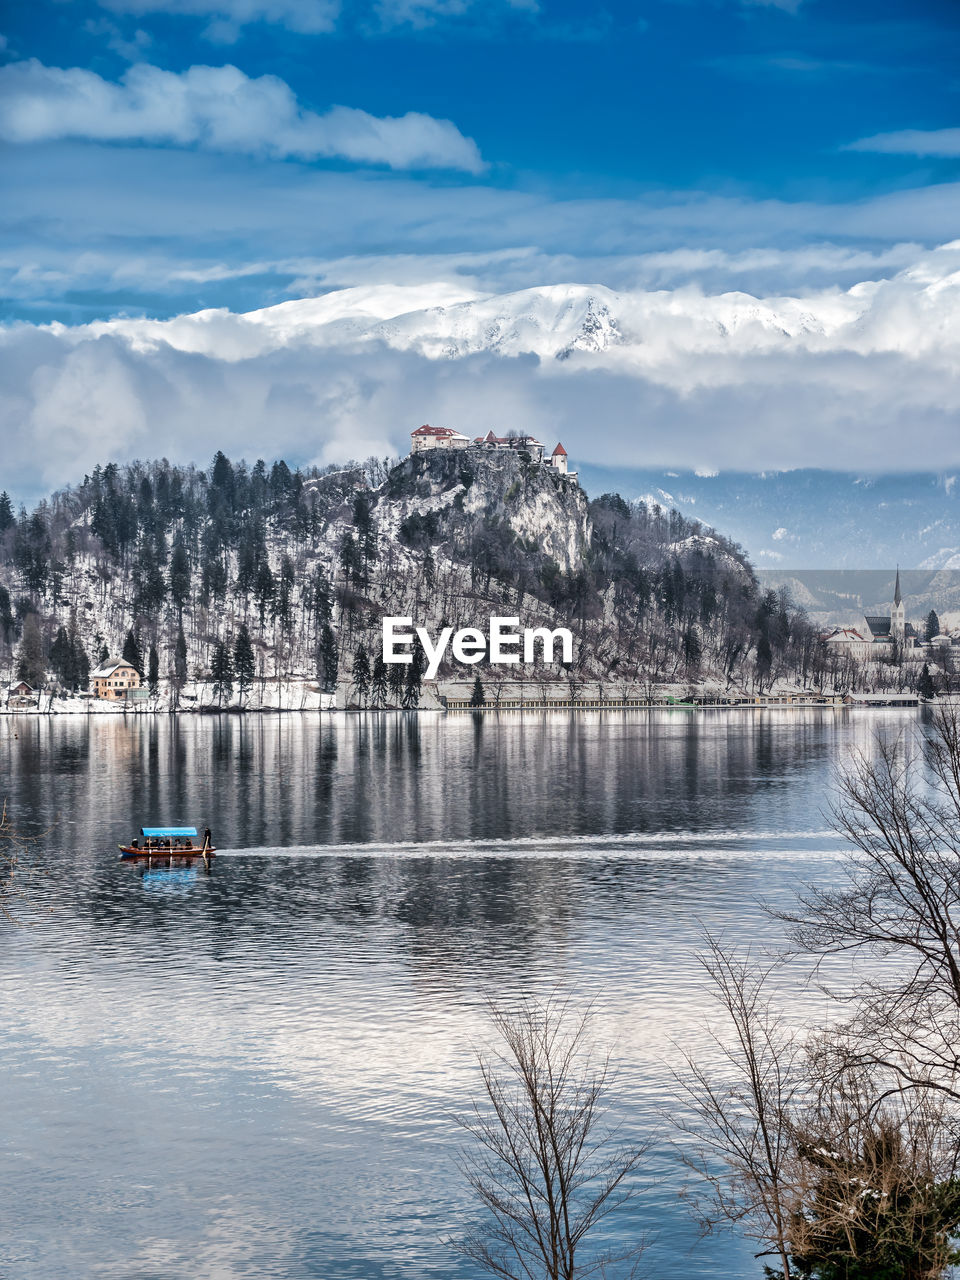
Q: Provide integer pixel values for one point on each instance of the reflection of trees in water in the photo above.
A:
(286, 780)
(384, 779)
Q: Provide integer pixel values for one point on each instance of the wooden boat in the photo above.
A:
(169, 844)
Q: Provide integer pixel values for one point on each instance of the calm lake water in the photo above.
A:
(252, 1074)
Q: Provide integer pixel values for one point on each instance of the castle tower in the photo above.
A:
(897, 623)
(558, 459)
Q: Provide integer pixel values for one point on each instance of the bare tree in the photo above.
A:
(900, 810)
(812, 1152)
(736, 1116)
(544, 1160)
(875, 1171)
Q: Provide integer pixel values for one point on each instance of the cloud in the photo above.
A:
(912, 142)
(864, 378)
(788, 6)
(310, 17)
(217, 109)
(426, 13)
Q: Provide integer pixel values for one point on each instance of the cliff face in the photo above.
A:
(310, 564)
(477, 491)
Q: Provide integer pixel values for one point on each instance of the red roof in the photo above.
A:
(433, 431)
(559, 449)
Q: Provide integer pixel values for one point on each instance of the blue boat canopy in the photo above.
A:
(155, 833)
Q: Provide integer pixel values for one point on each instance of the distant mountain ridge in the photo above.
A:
(812, 519)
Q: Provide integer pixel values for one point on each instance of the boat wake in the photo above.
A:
(641, 846)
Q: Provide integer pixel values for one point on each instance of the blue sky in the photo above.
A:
(163, 157)
(565, 102)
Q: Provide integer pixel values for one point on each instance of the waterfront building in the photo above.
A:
(21, 694)
(115, 679)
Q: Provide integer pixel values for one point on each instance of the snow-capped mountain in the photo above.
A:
(442, 321)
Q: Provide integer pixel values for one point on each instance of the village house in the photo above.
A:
(21, 694)
(847, 640)
(115, 679)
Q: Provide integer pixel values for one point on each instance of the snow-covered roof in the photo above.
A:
(841, 635)
(111, 666)
(439, 433)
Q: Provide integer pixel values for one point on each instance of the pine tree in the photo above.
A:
(222, 671)
(61, 658)
(327, 661)
(180, 658)
(153, 670)
(179, 575)
(6, 615)
(7, 518)
(264, 590)
(379, 681)
(30, 663)
(361, 674)
(932, 627)
(244, 661)
(395, 680)
(132, 651)
(925, 685)
(478, 698)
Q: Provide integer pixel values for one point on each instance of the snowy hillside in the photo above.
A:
(179, 564)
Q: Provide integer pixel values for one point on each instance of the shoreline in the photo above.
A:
(529, 708)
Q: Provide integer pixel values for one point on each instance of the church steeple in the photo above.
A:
(898, 629)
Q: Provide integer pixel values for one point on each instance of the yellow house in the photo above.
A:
(114, 679)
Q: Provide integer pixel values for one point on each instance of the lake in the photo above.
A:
(253, 1073)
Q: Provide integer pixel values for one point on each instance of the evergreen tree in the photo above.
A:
(61, 658)
(30, 663)
(6, 615)
(264, 590)
(361, 674)
(222, 671)
(244, 662)
(132, 652)
(284, 594)
(932, 627)
(478, 698)
(379, 681)
(180, 575)
(925, 686)
(81, 664)
(7, 518)
(327, 661)
(180, 658)
(395, 680)
(153, 669)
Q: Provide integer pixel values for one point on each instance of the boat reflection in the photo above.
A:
(172, 881)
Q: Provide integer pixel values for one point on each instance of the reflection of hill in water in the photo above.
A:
(451, 827)
(274, 782)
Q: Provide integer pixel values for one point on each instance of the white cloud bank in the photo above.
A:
(866, 378)
(217, 109)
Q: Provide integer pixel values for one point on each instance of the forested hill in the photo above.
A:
(178, 565)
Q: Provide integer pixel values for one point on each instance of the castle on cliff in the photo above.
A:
(426, 438)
